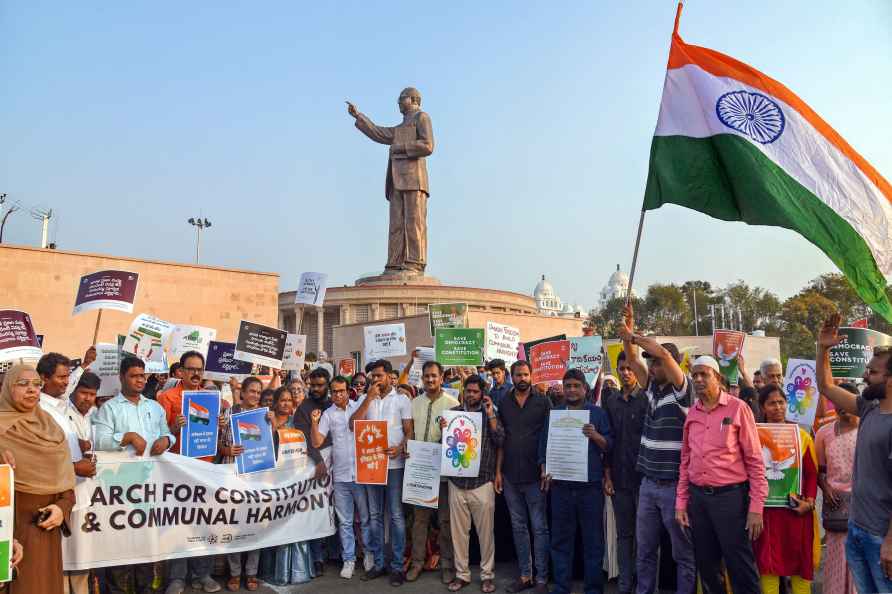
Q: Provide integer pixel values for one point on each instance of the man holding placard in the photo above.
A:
(576, 499)
(384, 403)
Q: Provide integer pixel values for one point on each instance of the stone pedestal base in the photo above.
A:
(397, 278)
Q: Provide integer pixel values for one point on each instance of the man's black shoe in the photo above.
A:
(372, 574)
(396, 578)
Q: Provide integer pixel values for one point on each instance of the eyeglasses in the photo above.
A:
(193, 369)
(25, 383)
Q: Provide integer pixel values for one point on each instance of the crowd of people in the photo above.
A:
(678, 453)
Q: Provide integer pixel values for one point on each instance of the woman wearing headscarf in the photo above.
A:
(44, 480)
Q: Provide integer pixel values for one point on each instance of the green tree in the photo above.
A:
(802, 316)
(665, 311)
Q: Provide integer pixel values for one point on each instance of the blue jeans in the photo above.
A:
(572, 504)
(863, 556)
(350, 497)
(200, 566)
(392, 493)
(521, 499)
(656, 509)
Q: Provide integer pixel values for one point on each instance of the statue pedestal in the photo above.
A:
(397, 278)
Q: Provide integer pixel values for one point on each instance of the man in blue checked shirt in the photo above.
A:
(579, 503)
(132, 420)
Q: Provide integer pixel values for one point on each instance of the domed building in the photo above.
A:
(549, 303)
(616, 287)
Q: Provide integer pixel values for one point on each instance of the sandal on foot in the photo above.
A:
(234, 584)
(487, 586)
(457, 584)
(251, 583)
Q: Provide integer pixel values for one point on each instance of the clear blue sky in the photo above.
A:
(128, 118)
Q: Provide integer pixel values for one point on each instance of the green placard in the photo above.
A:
(447, 315)
(459, 346)
(849, 358)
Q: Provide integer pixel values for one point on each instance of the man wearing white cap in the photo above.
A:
(721, 484)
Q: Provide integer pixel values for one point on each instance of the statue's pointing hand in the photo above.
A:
(351, 109)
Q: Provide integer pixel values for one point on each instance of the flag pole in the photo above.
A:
(635, 257)
(96, 329)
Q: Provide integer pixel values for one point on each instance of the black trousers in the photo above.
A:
(718, 528)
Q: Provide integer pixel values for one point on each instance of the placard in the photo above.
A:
(106, 289)
(221, 363)
(146, 340)
(526, 346)
(447, 315)
(782, 455)
(198, 437)
(586, 354)
(462, 347)
(346, 367)
(252, 430)
(801, 387)
(7, 518)
(849, 358)
(185, 338)
(17, 337)
(311, 288)
(501, 342)
(108, 367)
(292, 448)
(566, 454)
(421, 479)
(384, 341)
(726, 347)
(370, 439)
(461, 443)
(613, 351)
(294, 356)
(549, 361)
(263, 345)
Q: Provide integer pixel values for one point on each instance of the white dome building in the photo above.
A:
(616, 287)
(547, 301)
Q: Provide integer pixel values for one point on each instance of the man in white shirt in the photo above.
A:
(384, 403)
(82, 406)
(349, 496)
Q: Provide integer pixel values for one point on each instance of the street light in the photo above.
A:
(199, 224)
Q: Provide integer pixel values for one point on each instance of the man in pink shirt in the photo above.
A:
(721, 483)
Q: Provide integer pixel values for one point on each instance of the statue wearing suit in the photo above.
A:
(406, 188)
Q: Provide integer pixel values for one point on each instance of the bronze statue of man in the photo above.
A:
(406, 187)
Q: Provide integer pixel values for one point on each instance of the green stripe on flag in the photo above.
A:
(728, 178)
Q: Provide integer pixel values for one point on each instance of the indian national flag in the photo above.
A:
(199, 414)
(249, 430)
(740, 146)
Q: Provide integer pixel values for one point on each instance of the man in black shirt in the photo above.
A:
(626, 409)
(523, 413)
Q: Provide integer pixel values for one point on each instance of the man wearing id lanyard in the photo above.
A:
(721, 483)
(132, 421)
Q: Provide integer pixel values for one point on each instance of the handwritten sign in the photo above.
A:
(371, 461)
(384, 341)
(106, 289)
(294, 356)
(501, 342)
(311, 288)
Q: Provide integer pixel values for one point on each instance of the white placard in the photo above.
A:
(295, 352)
(461, 443)
(108, 367)
(566, 456)
(501, 342)
(311, 288)
(801, 388)
(384, 341)
(185, 338)
(421, 479)
(147, 337)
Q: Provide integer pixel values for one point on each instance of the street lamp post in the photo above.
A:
(199, 224)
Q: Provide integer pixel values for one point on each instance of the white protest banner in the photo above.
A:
(461, 443)
(17, 337)
(146, 340)
(386, 340)
(7, 517)
(107, 366)
(185, 338)
(566, 455)
(421, 478)
(801, 387)
(502, 342)
(263, 345)
(106, 289)
(311, 288)
(586, 355)
(142, 510)
(295, 352)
